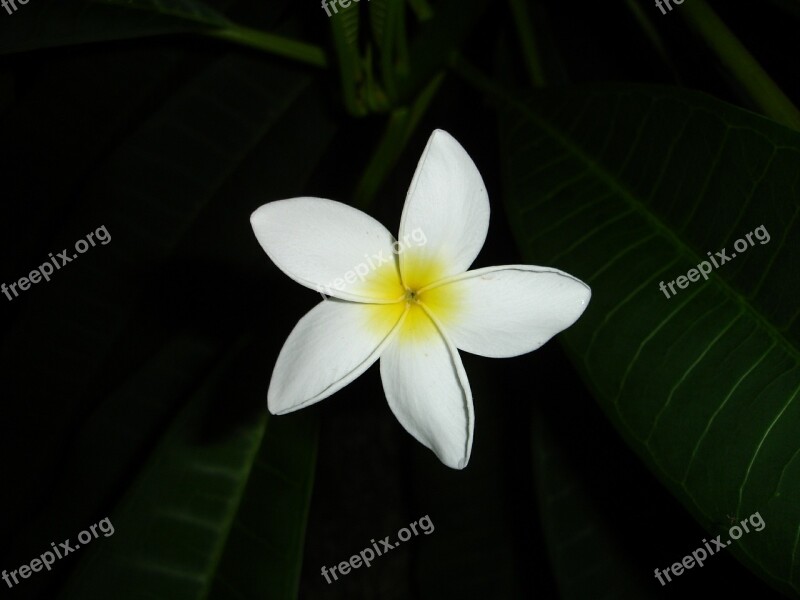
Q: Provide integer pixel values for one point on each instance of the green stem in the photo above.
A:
(742, 65)
(422, 9)
(652, 34)
(533, 63)
(401, 125)
(274, 44)
(495, 93)
(220, 27)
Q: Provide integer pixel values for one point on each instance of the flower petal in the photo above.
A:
(333, 343)
(330, 247)
(507, 311)
(447, 206)
(428, 391)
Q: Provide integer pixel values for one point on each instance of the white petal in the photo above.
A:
(333, 343)
(428, 391)
(507, 311)
(330, 247)
(447, 206)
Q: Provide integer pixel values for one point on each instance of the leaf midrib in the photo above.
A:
(656, 222)
(685, 249)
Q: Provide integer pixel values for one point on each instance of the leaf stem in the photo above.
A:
(742, 65)
(495, 93)
(401, 125)
(522, 20)
(274, 44)
(220, 27)
(650, 30)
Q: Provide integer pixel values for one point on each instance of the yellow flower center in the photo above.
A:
(417, 295)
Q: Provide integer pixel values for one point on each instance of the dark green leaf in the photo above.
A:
(71, 22)
(160, 178)
(625, 187)
(206, 500)
(111, 443)
(589, 554)
(50, 24)
(231, 128)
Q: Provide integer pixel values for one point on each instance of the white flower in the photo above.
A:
(413, 309)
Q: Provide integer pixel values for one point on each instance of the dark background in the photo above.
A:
(190, 275)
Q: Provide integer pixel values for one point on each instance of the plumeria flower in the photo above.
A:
(412, 309)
